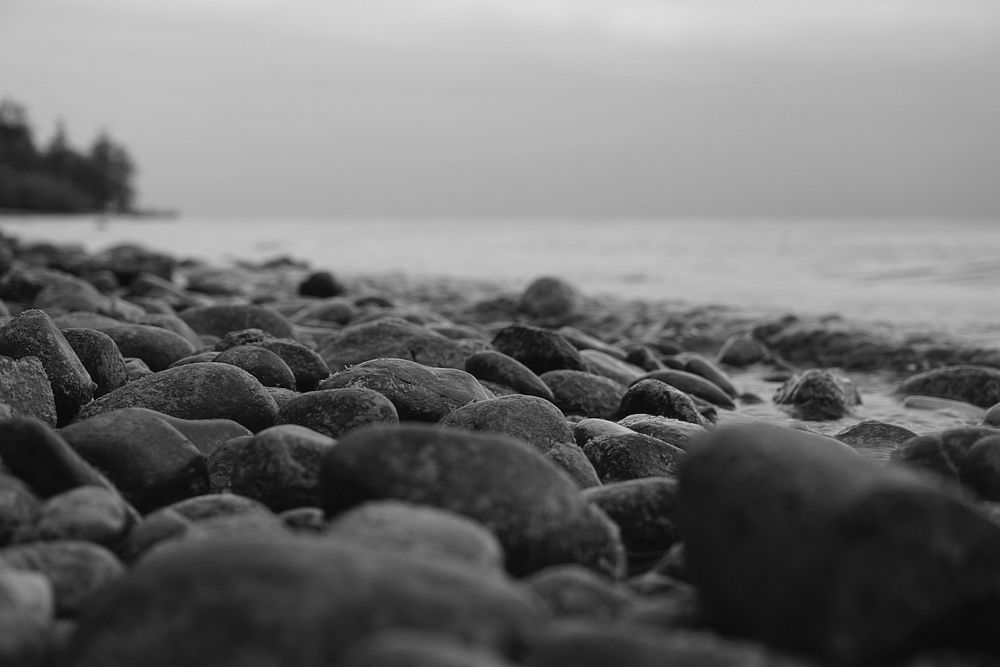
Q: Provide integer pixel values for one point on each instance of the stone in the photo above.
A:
(32, 333)
(171, 322)
(946, 406)
(136, 369)
(336, 412)
(127, 261)
(18, 507)
(419, 393)
(818, 395)
(336, 310)
(606, 365)
(218, 320)
(308, 520)
(100, 356)
(27, 612)
(23, 283)
(598, 644)
(742, 350)
(280, 467)
(221, 462)
(797, 541)
(991, 417)
(582, 340)
(571, 460)
(618, 458)
(875, 434)
(549, 300)
(392, 338)
(78, 571)
(157, 347)
(538, 349)
(528, 418)
(493, 366)
(269, 369)
(300, 601)
(643, 510)
(571, 591)
(693, 385)
(86, 513)
(305, 363)
(205, 434)
(425, 532)
(149, 461)
(587, 429)
(69, 296)
(242, 337)
(584, 394)
(25, 388)
(643, 356)
(35, 453)
(708, 369)
(677, 432)
(321, 284)
(969, 456)
(653, 397)
(195, 391)
(534, 510)
(398, 648)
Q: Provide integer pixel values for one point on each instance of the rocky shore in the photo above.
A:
(271, 465)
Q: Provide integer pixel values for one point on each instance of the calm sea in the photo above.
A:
(943, 274)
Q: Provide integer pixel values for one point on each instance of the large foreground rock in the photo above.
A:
(294, 602)
(534, 509)
(195, 391)
(796, 540)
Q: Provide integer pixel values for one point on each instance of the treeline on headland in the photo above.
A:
(59, 178)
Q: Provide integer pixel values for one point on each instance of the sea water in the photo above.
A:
(943, 274)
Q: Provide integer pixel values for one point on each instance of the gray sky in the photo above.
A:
(527, 107)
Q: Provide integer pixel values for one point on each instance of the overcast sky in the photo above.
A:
(527, 107)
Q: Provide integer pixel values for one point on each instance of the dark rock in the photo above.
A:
(328, 311)
(26, 616)
(970, 456)
(32, 333)
(796, 540)
(150, 461)
(538, 349)
(195, 391)
(571, 591)
(992, 417)
(708, 369)
(597, 644)
(550, 301)
(298, 601)
(205, 434)
(742, 350)
(306, 364)
(584, 394)
(156, 346)
(127, 261)
(653, 397)
(600, 363)
(77, 570)
(281, 395)
(18, 507)
(572, 461)
(171, 322)
(505, 370)
(86, 513)
(425, 532)
(675, 431)
(945, 406)
(644, 357)
(280, 467)
(23, 283)
(978, 385)
(392, 338)
(818, 394)
(398, 648)
(100, 356)
(221, 319)
(834, 343)
(618, 458)
(221, 462)
(586, 430)
(308, 520)
(335, 412)
(242, 337)
(25, 388)
(528, 418)
(70, 295)
(533, 508)
(39, 456)
(582, 340)
(322, 284)
(136, 369)
(84, 320)
(269, 369)
(419, 393)
(693, 385)
(200, 357)
(643, 509)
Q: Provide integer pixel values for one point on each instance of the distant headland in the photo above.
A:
(60, 179)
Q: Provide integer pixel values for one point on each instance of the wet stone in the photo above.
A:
(818, 394)
(392, 338)
(584, 394)
(675, 431)
(322, 284)
(653, 397)
(538, 349)
(605, 365)
(969, 456)
(269, 369)
(873, 433)
(335, 412)
(156, 346)
(618, 458)
(742, 350)
(219, 320)
(693, 385)
(493, 366)
(549, 300)
(571, 459)
(978, 385)
(529, 418)
(305, 363)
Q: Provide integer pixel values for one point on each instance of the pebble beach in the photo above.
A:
(267, 463)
